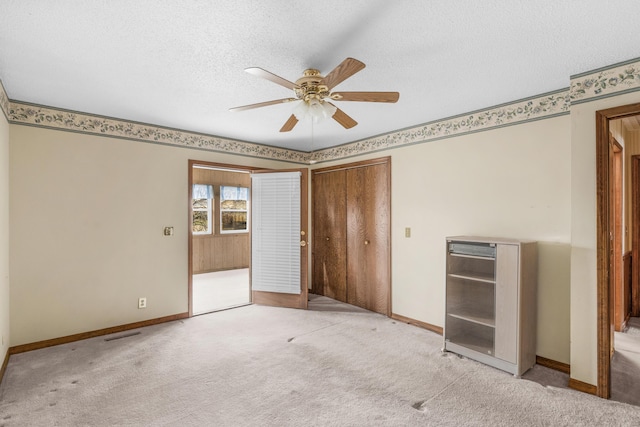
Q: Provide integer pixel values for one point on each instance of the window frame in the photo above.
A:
(222, 211)
(209, 212)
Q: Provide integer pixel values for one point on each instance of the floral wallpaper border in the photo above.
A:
(4, 101)
(544, 106)
(605, 82)
(608, 81)
(622, 77)
(23, 113)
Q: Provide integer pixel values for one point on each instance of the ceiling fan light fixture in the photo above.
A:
(315, 109)
(314, 91)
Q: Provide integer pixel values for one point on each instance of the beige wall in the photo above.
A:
(583, 235)
(4, 237)
(509, 182)
(87, 215)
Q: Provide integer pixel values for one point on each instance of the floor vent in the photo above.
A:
(131, 334)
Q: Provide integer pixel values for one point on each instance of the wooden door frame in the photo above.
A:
(603, 387)
(635, 235)
(214, 165)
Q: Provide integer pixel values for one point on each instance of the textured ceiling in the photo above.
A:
(180, 63)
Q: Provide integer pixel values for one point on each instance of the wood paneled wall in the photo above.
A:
(216, 252)
(631, 148)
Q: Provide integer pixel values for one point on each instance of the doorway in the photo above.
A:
(231, 258)
(611, 283)
(625, 364)
(634, 264)
(219, 238)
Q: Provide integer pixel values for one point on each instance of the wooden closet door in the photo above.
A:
(329, 235)
(368, 231)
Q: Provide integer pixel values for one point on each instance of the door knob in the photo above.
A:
(327, 239)
(303, 243)
(366, 242)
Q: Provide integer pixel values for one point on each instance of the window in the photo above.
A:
(201, 203)
(234, 211)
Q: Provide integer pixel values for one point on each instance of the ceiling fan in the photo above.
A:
(314, 91)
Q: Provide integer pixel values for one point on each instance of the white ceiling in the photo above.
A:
(180, 63)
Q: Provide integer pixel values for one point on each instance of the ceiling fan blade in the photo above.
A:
(366, 96)
(262, 104)
(346, 69)
(256, 71)
(341, 117)
(289, 124)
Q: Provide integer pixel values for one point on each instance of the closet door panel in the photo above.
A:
(357, 281)
(368, 222)
(329, 235)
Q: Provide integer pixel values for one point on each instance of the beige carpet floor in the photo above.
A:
(332, 365)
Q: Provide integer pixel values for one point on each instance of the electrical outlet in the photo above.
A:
(407, 232)
(142, 303)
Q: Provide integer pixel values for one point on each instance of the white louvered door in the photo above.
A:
(279, 242)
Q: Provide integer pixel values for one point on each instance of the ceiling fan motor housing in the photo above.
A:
(309, 86)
